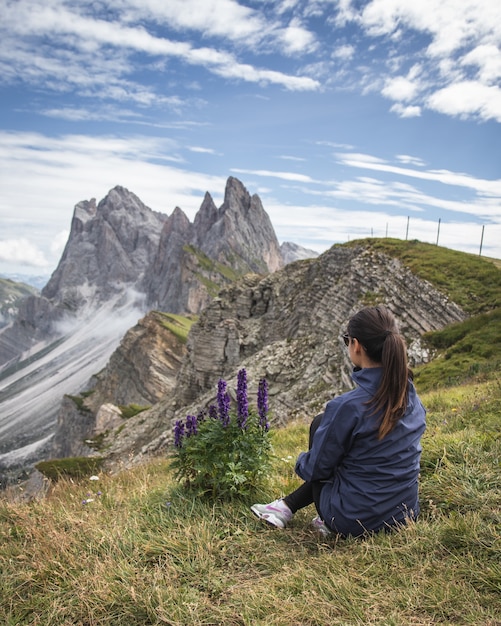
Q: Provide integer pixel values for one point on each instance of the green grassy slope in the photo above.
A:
(469, 349)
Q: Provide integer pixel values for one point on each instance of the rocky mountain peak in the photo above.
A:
(240, 233)
(206, 216)
(236, 196)
(179, 222)
(85, 211)
(194, 261)
(109, 245)
(293, 252)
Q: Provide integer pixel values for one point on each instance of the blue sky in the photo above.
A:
(349, 118)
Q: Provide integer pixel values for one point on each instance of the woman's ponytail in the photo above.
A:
(376, 329)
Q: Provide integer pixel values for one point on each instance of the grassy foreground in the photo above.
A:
(133, 549)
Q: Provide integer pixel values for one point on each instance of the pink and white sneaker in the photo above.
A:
(276, 513)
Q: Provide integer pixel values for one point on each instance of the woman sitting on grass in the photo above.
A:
(362, 467)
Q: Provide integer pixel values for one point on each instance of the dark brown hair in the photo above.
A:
(376, 329)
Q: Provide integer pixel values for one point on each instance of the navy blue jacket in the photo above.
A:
(369, 483)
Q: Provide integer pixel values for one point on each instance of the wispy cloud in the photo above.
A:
(410, 160)
(290, 176)
(292, 158)
(201, 150)
(368, 162)
(82, 38)
(319, 226)
(482, 203)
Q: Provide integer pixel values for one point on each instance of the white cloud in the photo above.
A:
(487, 58)
(228, 19)
(59, 242)
(344, 53)
(400, 88)
(410, 160)
(401, 196)
(22, 252)
(468, 98)
(292, 158)
(296, 38)
(405, 111)
(222, 18)
(320, 226)
(407, 198)
(105, 113)
(80, 167)
(201, 150)
(463, 34)
(451, 23)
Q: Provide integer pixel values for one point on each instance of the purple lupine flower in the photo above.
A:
(191, 425)
(262, 404)
(223, 402)
(178, 433)
(242, 403)
(213, 412)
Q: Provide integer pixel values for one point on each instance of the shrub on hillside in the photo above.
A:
(223, 452)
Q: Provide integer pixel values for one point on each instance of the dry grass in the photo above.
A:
(144, 552)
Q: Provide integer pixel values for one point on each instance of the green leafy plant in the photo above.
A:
(223, 452)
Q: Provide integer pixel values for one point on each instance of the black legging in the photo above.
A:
(308, 492)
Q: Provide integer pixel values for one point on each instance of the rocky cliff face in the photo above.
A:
(194, 261)
(110, 247)
(108, 251)
(144, 367)
(141, 371)
(287, 327)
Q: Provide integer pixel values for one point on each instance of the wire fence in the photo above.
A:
(436, 239)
